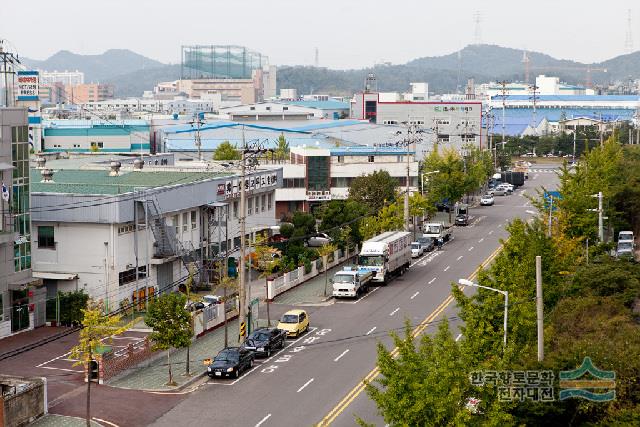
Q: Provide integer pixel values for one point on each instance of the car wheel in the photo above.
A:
(306, 328)
(251, 363)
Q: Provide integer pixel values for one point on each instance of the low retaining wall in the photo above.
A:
(296, 277)
(213, 316)
(112, 363)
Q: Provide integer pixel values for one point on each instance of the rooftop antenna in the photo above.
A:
(317, 59)
(477, 33)
(628, 41)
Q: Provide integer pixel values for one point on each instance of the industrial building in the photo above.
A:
(122, 136)
(20, 298)
(125, 229)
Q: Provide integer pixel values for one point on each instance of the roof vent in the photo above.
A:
(115, 168)
(138, 164)
(40, 162)
(47, 175)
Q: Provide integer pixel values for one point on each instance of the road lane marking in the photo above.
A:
(358, 389)
(481, 240)
(459, 258)
(432, 280)
(109, 423)
(263, 420)
(471, 248)
(458, 337)
(304, 385)
(491, 232)
(371, 330)
(415, 295)
(394, 311)
(447, 267)
(341, 354)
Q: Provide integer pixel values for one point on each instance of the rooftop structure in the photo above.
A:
(219, 61)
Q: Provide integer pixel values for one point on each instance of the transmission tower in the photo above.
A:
(628, 41)
(477, 33)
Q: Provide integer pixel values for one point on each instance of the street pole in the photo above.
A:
(325, 259)
(242, 219)
(506, 314)
(550, 215)
(600, 224)
(266, 285)
(406, 194)
(574, 146)
(539, 308)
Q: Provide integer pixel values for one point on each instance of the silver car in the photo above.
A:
(319, 239)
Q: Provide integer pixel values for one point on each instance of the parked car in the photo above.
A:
(498, 191)
(486, 200)
(295, 322)
(416, 249)
(319, 239)
(625, 250)
(194, 305)
(427, 243)
(230, 362)
(462, 219)
(263, 341)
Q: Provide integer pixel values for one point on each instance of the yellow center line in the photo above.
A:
(355, 392)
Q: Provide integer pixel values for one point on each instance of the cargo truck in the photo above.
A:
(436, 230)
(512, 177)
(350, 282)
(386, 255)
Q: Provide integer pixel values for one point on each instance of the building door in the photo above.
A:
(165, 277)
(19, 310)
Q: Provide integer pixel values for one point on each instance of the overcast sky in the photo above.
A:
(348, 33)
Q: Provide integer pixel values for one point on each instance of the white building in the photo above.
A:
(129, 230)
(316, 175)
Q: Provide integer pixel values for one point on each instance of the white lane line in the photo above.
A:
(371, 330)
(432, 280)
(109, 423)
(491, 232)
(304, 385)
(263, 420)
(448, 267)
(415, 295)
(338, 358)
(471, 248)
(481, 240)
(394, 311)
(459, 258)
(458, 337)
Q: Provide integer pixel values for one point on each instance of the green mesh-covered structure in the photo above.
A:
(217, 61)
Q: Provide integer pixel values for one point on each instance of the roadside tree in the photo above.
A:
(374, 190)
(226, 151)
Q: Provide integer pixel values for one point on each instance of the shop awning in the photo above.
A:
(54, 276)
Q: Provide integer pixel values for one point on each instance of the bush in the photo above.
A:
(71, 305)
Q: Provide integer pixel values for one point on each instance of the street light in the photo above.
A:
(465, 282)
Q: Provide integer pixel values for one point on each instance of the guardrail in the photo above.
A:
(296, 277)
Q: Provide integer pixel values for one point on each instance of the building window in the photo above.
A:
(46, 238)
(263, 204)
(293, 183)
(129, 275)
(176, 223)
(400, 159)
(443, 138)
(269, 200)
(185, 221)
(340, 159)
(235, 209)
(257, 204)
(249, 206)
(194, 219)
(252, 108)
(268, 108)
(371, 159)
(127, 228)
(285, 108)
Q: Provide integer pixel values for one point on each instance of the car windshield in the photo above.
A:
(415, 246)
(371, 261)
(625, 246)
(289, 318)
(625, 236)
(486, 196)
(343, 278)
(259, 336)
(433, 229)
(227, 356)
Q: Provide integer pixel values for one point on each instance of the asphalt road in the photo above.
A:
(316, 379)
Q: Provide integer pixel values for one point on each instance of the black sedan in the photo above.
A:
(264, 341)
(462, 219)
(231, 362)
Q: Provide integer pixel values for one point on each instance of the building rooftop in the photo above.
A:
(99, 182)
(320, 105)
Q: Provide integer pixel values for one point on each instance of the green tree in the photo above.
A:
(282, 150)
(226, 151)
(374, 190)
(389, 218)
(97, 331)
(451, 182)
(171, 325)
(336, 213)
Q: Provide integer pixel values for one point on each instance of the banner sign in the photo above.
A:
(28, 85)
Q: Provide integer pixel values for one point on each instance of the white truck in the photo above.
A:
(386, 255)
(436, 230)
(350, 282)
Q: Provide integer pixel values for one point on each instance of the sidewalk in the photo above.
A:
(53, 420)
(311, 291)
(155, 376)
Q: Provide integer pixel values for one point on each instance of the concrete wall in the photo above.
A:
(23, 404)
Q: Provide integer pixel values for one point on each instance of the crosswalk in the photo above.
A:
(543, 170)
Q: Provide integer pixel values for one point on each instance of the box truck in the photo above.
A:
(386, 255)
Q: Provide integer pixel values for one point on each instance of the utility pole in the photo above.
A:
(198, 122)
(8, 59)
(574, 146)
(539, 308)
(406, 194)
(550, 214)
(242, 219)
(504, 84)
(600, 217)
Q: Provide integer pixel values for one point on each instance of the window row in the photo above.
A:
(255, 205)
